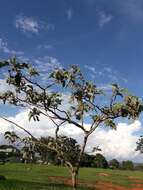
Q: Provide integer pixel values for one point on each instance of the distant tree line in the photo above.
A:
(89, 160)
(70, 149)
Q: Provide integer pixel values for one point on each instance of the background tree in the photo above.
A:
(127, 165)
(66, 149)
(26, 143)
(140, 145)
(11, 136)
(100, 161)
(84, 102)
(9, 153)
(47, 155)
(138, 166)
(87, 160)
(114, 164)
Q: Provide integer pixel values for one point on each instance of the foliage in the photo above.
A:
(114, 164)
(68, 149)
(47, 155)
(140, 145)
(127, 165)
(100, 161)
(2, 178)
(87, 160)
(139, 167)
(11, 136)
(7, 156)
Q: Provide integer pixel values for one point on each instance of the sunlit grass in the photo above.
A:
(36, 177)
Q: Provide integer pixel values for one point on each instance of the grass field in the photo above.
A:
(19, 177)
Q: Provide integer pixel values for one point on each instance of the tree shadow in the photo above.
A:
(11, 184)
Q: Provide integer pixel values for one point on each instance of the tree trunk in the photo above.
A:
(75, 171)
(74, 180)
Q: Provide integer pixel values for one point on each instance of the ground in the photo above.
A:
(36, 177)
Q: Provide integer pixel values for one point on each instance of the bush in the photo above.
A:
(2, 177)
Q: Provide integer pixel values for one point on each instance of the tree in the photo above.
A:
(48, 99)
(9, 152)
(114, 164)
(140, 145)
(138, 166)
(47, 155)
(100, 161)
(68, 149)
(127, 165)
(87, 160)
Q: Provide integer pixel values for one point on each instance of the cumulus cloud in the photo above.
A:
(4, 86)
(30, 24)
(4, 47)
(120, 143)
(36, 128)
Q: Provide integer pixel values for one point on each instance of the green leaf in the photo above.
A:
(110, 123)
(33, 72)
(4, 63)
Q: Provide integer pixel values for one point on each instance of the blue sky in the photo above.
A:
(103, 37)
(96, 33)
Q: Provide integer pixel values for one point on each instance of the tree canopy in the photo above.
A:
(100, 161)
(127, 165)
(114, 164)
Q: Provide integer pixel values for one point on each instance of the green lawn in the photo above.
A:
(20, 178)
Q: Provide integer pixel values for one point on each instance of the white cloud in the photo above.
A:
(4, 86)
(129, 9)
(103, 18)
(45, 65)
(106, 75)
(69, 13)
(36, 128)
(30, 24)
(27, 24)
(106, 87)
(120, 143)
(126, 9)
(24, 58)
(90, 68)
(93, 71)
(4, 47)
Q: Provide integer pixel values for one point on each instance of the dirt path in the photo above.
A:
(100, 185)
(110, 186)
